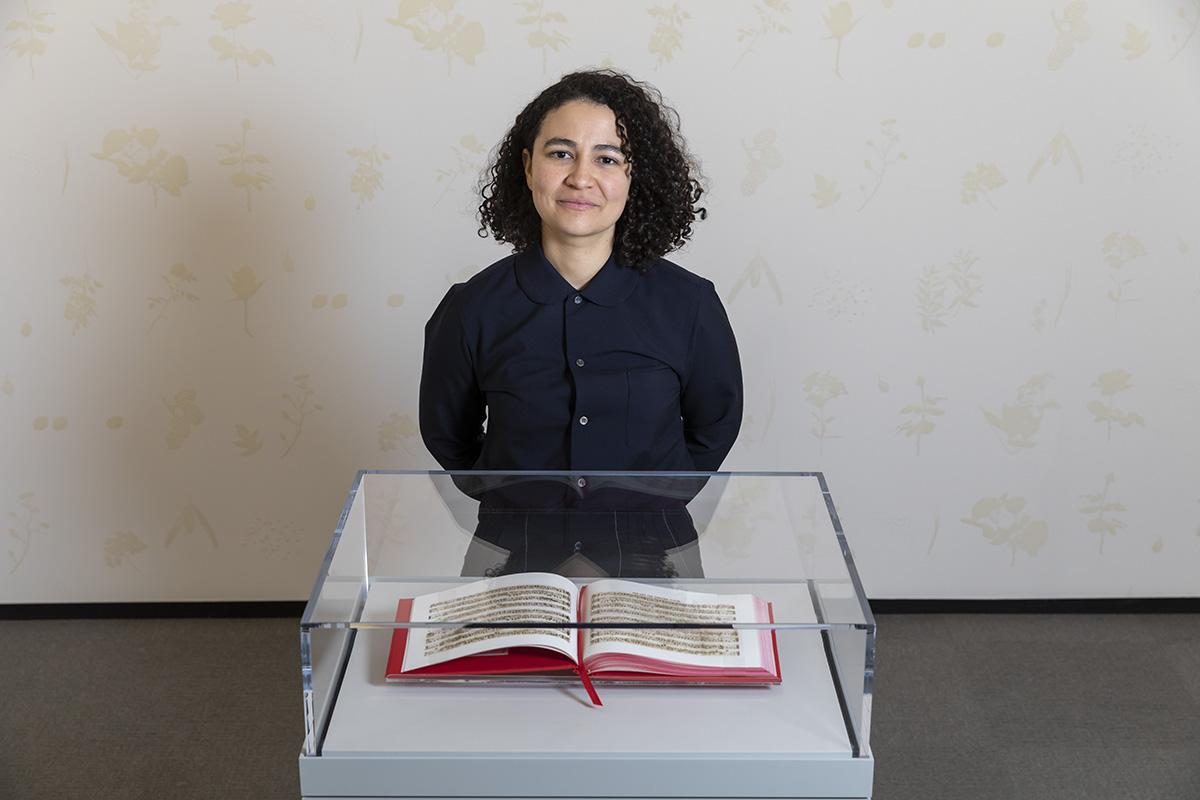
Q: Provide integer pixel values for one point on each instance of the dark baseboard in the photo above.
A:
(225, 609)
(1100, 605)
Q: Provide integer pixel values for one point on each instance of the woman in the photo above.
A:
(585, 350)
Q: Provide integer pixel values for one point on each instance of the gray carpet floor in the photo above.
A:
(966, 706)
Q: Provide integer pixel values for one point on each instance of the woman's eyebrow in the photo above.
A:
(558, 141)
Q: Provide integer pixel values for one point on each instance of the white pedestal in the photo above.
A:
(474, 741)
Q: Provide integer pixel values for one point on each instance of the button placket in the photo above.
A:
(582, 445)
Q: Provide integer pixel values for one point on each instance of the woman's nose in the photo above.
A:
(580, 174)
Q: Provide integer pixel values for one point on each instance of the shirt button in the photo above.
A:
(582, 482)
(578, 299)
(579, 362)
(583, 420)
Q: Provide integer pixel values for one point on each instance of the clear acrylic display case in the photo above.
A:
(408, 533)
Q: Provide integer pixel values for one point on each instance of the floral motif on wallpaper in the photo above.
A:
(1119, 250)
(25, 522)
(1104, 411)
(543, 36)
(1137, 42)
(184, 415)
(468, 156)
(885, 153)
(1190, 14)
(1053, 153)
(232, 16)
(132, 152)
(368, 177)
(300, 406)
(45, 423)
(826, 193)
(1040, 309)
(30, 30)
(244, 284)
(739, 518)
(80, 309)
(842, 297)
(136, 40)
(934, 41)
(979, 183)
(770, 16)
(178, 280)
(667, 38)
(435, 26)
(839, 21)
(1101, 512)
(1020, 422)
(1072, 28)
(248, 440)
(920, 415)
(190, 522)
(757, 271)
(397, 429)
(324, 300)
(820, 389)
(273, 537)
(762, 158)
(250, 174)
(121, 547)
(944, 291)
(1004, 521)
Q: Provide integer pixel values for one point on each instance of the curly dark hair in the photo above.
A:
(664, 189)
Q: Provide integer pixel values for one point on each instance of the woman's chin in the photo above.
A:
(577, 229)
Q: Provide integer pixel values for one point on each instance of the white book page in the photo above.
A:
(628, 602)
(527, 597)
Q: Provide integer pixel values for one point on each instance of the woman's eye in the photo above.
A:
(556, 153)
(608, 160)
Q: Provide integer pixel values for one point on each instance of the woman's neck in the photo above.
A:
(577, 263)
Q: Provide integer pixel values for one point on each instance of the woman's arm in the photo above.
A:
(451, 406)
(711, 401)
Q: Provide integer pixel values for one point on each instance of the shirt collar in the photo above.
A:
(543, 284)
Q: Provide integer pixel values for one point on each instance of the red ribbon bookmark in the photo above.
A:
(583, 676)
(587, 684)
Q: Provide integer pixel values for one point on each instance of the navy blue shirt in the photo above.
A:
(636, 371)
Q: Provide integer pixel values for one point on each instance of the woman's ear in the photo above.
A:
(527, 160)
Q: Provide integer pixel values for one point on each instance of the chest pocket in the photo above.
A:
(652, 409)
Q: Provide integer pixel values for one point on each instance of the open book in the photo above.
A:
(717, 655)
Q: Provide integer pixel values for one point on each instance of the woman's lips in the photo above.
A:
(577, 206)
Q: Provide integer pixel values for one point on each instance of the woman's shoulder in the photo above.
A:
(475, 290)
(490, 278)
(671, 277)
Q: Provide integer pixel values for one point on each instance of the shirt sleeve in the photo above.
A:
(452, 407)
(711, 400)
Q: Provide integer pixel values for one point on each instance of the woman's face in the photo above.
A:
(577, 174)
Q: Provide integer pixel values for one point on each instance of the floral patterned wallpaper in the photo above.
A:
(958, 245)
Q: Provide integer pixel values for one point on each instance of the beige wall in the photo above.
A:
(959, 247)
